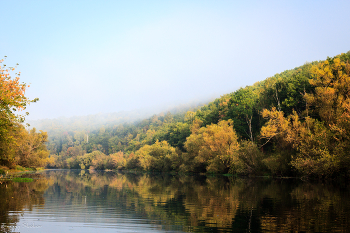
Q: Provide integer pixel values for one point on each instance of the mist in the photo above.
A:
(89, 57)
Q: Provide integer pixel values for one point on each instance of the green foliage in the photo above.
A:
(74, 163)
(133, 162)
(296, 122)
(20, 179)
(175, 134)
(242, 107)
(20, 168)
(320, 140)
(249, 159)
(278, 163)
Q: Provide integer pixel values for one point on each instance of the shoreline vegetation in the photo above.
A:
(17, 174)
(293, 124)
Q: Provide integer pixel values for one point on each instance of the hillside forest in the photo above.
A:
(295, 123)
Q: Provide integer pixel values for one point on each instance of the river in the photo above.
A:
(92, 201)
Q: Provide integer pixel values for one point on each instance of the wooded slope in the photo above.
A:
(294, 123)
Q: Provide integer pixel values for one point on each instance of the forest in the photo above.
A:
(294, 123)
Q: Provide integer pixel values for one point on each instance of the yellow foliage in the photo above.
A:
(332, 88)
(158, 157)
(213, 145)
(118, 159)
(30, 148)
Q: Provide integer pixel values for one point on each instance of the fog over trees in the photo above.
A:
(293, 123)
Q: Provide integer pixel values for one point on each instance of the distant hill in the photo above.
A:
(96, 121)
(294, 123)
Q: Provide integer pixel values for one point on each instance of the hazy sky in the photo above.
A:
(86, 57)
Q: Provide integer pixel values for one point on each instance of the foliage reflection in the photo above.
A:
(17, 196)
(201, 203)
(185, 203)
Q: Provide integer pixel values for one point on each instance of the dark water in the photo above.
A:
(83, 201)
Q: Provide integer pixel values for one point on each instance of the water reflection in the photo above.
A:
(17, 196)
(126, 202)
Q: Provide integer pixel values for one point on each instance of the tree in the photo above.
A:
(242, 108)
(31, 149)
(325, 150)
(12, 99)
(159, 157)
(213, 146)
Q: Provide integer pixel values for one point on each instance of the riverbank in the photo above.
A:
(10, 174)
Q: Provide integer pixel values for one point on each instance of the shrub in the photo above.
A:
(249, 159)
(133, 162)
(20, 168)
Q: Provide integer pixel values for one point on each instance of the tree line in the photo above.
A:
(293, 123)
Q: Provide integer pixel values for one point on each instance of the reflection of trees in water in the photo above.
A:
(212, 203)
(289, 205)
(203, 203)
(15, 197)
(313, 208)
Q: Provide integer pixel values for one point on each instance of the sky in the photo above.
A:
(87, 57)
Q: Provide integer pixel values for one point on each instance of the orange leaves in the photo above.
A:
(331, 79)
(277, 124)
(12, 99)
(321, 143)
(11, 91)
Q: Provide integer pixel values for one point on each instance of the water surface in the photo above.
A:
(88, 201)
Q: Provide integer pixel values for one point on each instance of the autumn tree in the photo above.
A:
(30, 148)
(281, 132)
(212, 146)
(304, 144)
(322, 139)
(330, 105)
(119, 160)
(159, 157)
(12, 100)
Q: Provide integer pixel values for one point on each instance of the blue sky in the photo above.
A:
(86, 57)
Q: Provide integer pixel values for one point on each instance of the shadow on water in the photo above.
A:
(174, 203)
